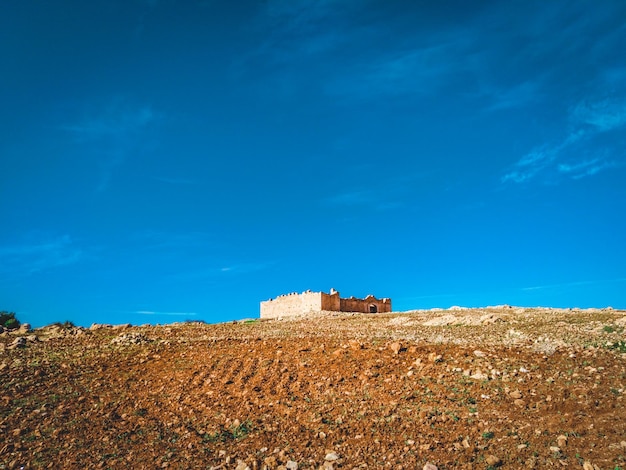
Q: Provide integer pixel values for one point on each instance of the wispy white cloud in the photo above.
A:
(297, 29)
(351, 198)
(303, 14)
(585, 168)
(112, 133)
(30, 257)
(604, 115)
(501, 54)
(531, 164)
(173, 314)
(115, 122)
(575, 284)
(244, 268)
(215, 273)
(513, 96)
(418, 70)
(589, 120)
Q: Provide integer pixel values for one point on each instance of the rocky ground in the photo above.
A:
(484, 388)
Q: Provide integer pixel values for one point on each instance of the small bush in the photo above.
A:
(233, 433)
(8, 320)
(66, 325)
(619, 346)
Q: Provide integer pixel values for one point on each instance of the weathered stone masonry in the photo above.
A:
(307, 302)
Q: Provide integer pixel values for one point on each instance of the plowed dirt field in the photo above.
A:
(483, 388)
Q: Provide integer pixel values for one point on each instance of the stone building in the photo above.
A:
(307, 302)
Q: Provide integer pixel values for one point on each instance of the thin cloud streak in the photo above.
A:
(590, 120)
(585, 168)
(29, 258)
(117, 121)
(214, 274)
(173, 314)
(434, 58)
(117, 131)
(245, 268)
(574, 284)
(604, 115)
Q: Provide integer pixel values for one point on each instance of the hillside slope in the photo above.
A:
(484, 388)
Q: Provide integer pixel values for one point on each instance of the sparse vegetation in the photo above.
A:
(619, 346)
(65, 325)
(8, 320)
(234, 432)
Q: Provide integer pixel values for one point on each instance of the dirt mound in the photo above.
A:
(533, 389)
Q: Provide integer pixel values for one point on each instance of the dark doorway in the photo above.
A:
(373, 309)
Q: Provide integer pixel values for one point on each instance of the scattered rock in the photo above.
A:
(58, 330)
(531, 462)
(490, 318)
(192, 382)
(395, 347)
(241, 465)
(441, 321)
(23, 329)
(493, 460)
(17, 343)
(478, 375)
(127, 339)
(434, 357)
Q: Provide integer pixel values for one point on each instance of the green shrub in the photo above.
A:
(8, 320)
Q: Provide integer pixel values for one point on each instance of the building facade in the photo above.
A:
(307, 302)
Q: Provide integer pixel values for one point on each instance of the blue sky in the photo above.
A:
(163, 161)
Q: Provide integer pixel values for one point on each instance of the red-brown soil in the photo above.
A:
(500, 387)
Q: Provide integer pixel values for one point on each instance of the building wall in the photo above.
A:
(331, 301)
(369, 304)
(292, 304)
(307, 302)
